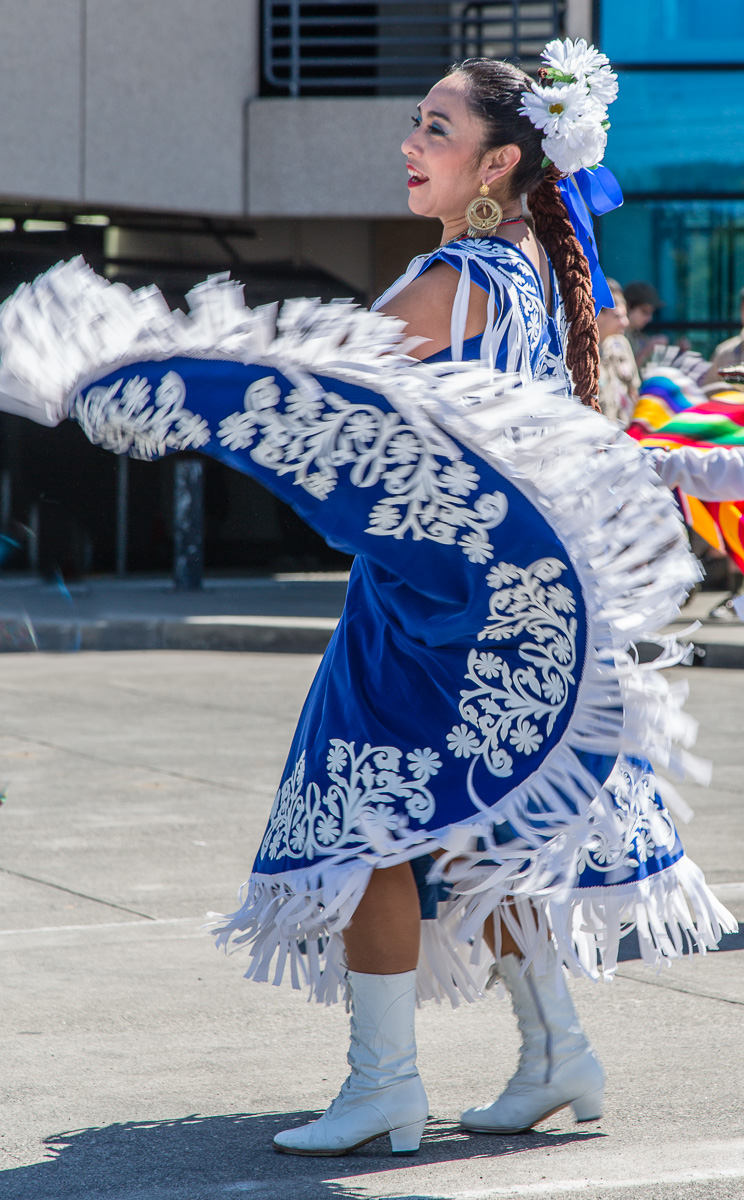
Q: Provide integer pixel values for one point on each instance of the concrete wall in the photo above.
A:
(151, 104)
(579, 19)
(339, 157)
(127, 102)
(41, 63)
(323, 158)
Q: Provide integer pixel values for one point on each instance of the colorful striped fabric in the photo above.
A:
(673, 412)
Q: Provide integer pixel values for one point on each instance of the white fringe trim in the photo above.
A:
(614, 517)
(671, 912)
(70, 326)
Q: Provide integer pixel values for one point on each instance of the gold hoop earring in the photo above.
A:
(483, 214)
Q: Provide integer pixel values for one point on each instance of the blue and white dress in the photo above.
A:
(630, 835)
(522, 337)
(480, 689)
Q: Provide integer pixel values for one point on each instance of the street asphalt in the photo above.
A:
(137, 1064)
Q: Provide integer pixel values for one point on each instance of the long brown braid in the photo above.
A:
(555, 231)
(494, 93)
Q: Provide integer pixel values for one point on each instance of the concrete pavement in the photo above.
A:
(286, 612)
(138, 1065)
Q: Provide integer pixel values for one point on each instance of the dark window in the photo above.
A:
(350, 47)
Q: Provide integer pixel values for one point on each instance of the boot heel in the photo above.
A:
(589, 1106)
(407, 1139)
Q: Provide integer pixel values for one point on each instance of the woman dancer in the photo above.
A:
(451, 758)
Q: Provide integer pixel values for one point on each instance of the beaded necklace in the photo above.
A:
(460, 237)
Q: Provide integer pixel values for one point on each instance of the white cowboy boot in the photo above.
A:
(557, 1066)
(384, 1093)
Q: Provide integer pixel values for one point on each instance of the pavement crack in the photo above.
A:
(113, 762)
(159, 699)
(674, 987)
(156, 698)
(81, 895)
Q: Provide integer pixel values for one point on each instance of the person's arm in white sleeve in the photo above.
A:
(708, 474)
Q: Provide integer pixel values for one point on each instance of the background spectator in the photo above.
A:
(717, 563)
(618, 373)
(729, 353)
(642, 300)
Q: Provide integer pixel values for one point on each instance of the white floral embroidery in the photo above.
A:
(488, 665)
(132, 422)
(237, 431)
(512, 711)
(524, 292)
(533, 345)
(364, 790)
(477, 245)
(425, 498)
(463, 742)
(423, 763)
(629, 826)
(459, 478)
(477, 547)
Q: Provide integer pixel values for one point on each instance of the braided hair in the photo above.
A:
(494, 94)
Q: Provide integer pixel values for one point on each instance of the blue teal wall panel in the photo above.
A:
(674, 131)
(662, 31)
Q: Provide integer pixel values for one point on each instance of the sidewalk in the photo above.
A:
(138, 1064)
(290, 612)
(285, 612)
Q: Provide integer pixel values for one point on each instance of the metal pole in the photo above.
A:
(122, 514)
(294, 47)
(33, 536)
(188, 524)
(6, 481)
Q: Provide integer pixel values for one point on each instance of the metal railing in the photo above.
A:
(351, 47)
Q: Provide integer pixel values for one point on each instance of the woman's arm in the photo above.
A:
(707, 474)
(426, 307)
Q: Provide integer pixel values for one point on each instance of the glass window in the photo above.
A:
(676, 144)
(660, 31)
(693, 252)
(673, 131)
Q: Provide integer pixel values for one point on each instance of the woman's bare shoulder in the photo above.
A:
(426, 307)
(436, 286)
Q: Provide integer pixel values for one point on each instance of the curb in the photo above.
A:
(247, 634)
(714, 645)
(254, 634)
(728, 655)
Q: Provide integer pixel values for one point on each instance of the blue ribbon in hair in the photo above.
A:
(596, 191)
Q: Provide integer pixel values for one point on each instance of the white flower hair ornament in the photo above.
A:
(570, 107)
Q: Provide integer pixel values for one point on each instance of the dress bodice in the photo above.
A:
(521, 336)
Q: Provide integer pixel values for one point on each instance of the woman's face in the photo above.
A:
(640, 315)
(443, 154)
(612, 321)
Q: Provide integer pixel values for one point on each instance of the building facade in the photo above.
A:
(168, 139)
(677, 146)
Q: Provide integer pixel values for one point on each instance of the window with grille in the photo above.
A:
(354, 48)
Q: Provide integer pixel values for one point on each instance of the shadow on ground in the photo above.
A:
(630, 950)
(226, 1156)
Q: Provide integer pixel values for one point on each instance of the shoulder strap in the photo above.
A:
(459, 256)
(493, 272)
(412, 271)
